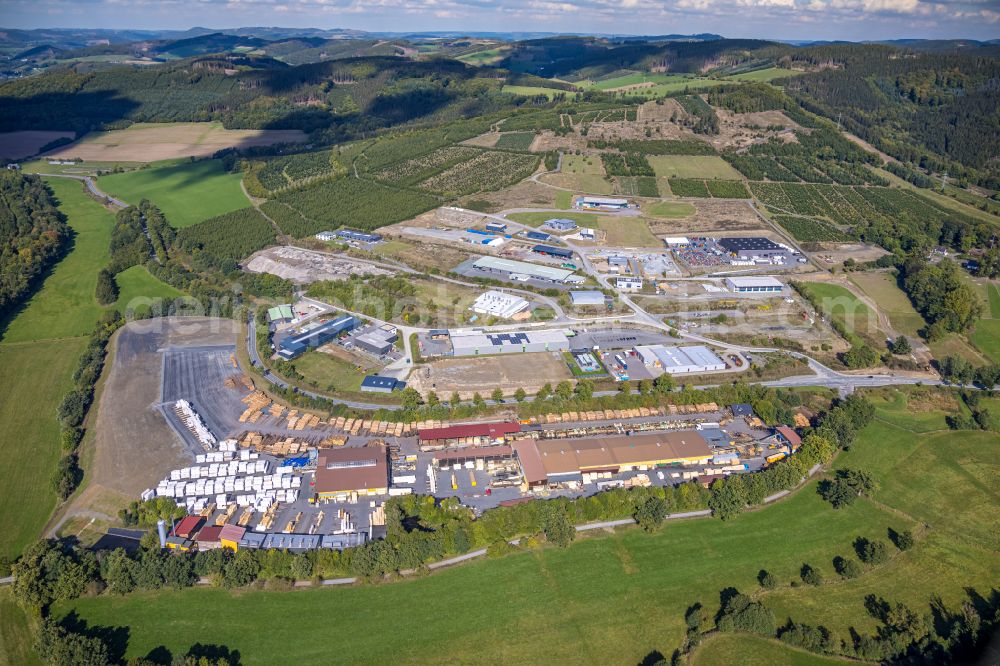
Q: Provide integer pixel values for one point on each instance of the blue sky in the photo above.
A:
(772, 19)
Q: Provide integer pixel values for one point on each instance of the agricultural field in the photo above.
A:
(232, 236)
(488, 171)
(355, 202)
(669, 209)
(186, 193)
(689, 188)
(517, 141)
(702, 167)
(882, 288)
(281, 172)
(810, 230)
(986, 336)
(18, 145)
(637, 186)
(414, 170)
(153, 142)
(624, 603)
(39, 352)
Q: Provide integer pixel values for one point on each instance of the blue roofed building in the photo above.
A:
(379, 384)
(296, 345)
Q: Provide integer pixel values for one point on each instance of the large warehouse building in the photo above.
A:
(602, 202)
(471, 434)
(341, 472)
(754, 249)
(556, 459)
(510, 267)
(680, 360)
(754, 285)
(294, 346)
(473, 344)
(499, 304)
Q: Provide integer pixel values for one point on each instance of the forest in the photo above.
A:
(33, 234)
(939, 111)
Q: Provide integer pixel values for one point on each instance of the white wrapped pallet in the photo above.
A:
(175, 474)
(185, 473)
(245, 455)
(293, 495)
(221, 500)
(296, 481)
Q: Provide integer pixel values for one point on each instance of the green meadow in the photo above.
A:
(186, 192)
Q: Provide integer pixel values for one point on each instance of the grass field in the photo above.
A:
(765, 75)
(669, 209)
(531, 91)
(986, 336)
(842, 306)
(38, 354)
(882, 288)
(584, 173)
(327, 370)
(940, 199)
(187, 193)
(945, 481)
(661, 83)
(628, 232)
(954, 344)
(718, 650)
(564, 200)
(15, 634)
(590, 220)
(137, 287)
(705, 167)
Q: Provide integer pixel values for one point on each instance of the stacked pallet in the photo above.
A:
(255, 402)
(332, 440)
(252, 439)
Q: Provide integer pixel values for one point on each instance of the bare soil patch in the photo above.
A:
(152, 142)
(526, 194)
(305, 266)
(739, 130)
(712, 216)
(831, 254)
(482, 374)
(134, 446)
(18, 145)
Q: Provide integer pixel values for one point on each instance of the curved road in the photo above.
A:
(91, 185)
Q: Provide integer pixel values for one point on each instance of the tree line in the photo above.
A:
(33, 236)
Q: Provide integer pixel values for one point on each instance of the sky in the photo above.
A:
(853, 20)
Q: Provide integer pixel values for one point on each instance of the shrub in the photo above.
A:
(846, 567)
(811, 575)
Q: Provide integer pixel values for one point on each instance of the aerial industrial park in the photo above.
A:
(461, 347)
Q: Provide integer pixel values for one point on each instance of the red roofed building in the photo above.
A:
(340, 472)
(188, 526)
(472, 434)
(208, 537)
(789, 436)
